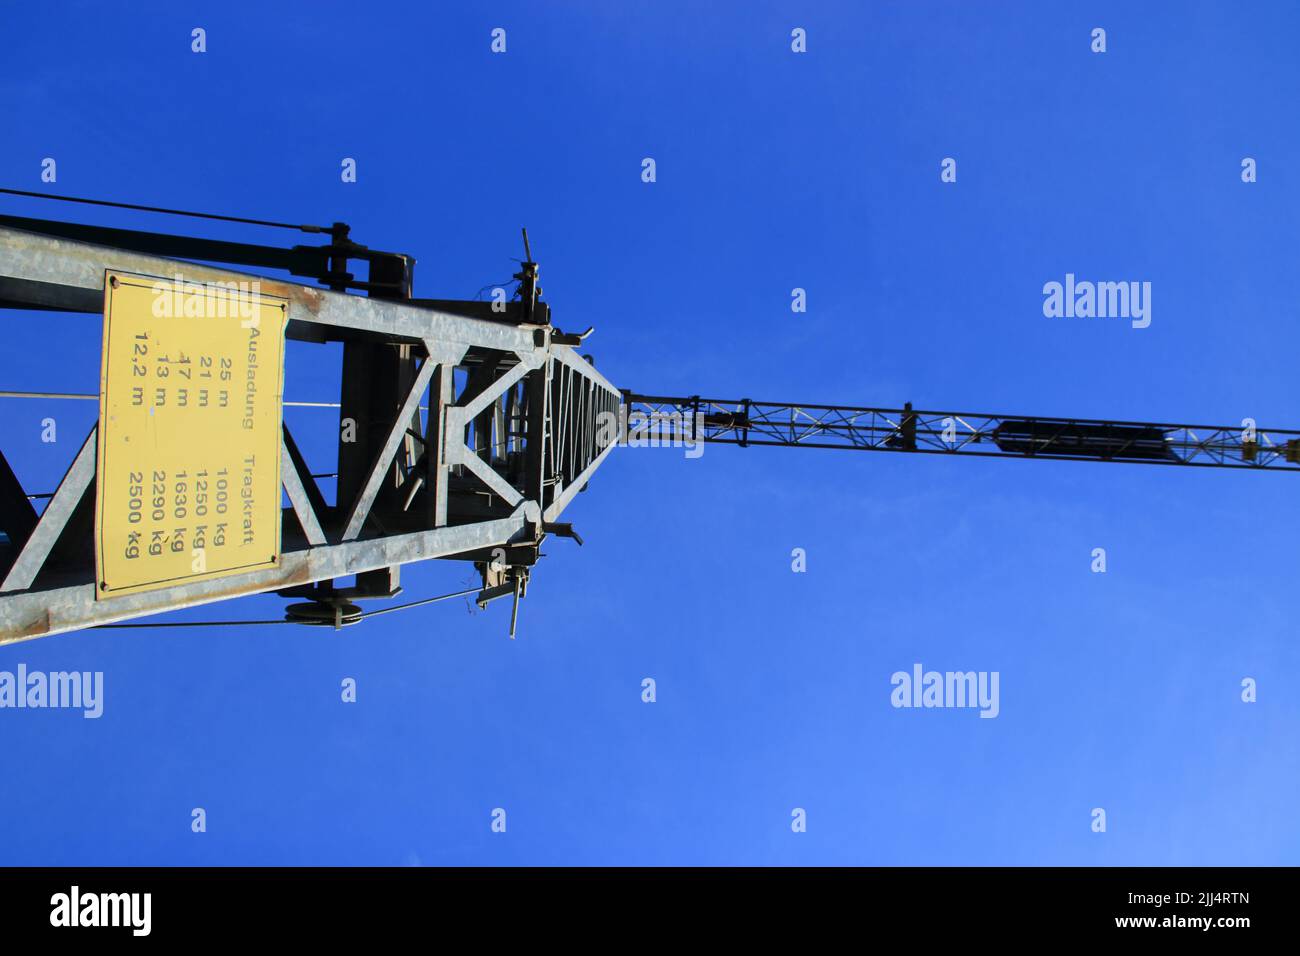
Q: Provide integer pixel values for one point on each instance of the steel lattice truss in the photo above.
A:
(475, 429)
(664, 420)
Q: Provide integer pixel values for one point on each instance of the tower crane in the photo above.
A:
(466, 429)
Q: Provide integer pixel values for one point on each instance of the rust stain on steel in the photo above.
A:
(38, 628)
(309, 298)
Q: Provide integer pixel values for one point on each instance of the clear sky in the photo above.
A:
(775, 170)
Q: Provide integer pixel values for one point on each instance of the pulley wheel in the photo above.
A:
(319, 614)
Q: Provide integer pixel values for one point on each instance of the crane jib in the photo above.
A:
(784, 424)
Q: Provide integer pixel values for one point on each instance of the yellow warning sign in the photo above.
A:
(190, 405)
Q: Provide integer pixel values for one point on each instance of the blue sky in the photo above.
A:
(775, 170)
